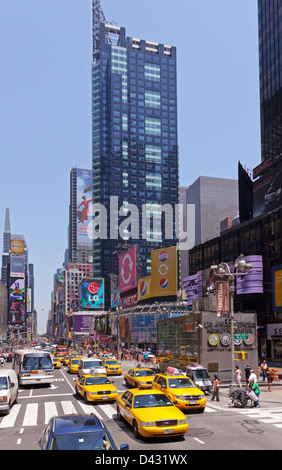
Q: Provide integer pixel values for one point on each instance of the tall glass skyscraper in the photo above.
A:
(270, 64)
(135, 142)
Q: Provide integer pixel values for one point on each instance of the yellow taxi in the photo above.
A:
(56, 363)
(66, 360)
(60, 357)
(151, 414)
(181, 390)
(139, 377)
(112, 367)
(73, 365)
(95, 388)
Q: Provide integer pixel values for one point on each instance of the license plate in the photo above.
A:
(168, 431)
(34, 371)
(192, 402)
(105, 398)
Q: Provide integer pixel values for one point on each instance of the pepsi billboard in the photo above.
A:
(164, 272)
(144, 289)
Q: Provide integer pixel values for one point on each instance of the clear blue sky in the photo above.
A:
(45, 104)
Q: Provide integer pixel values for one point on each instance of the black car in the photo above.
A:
(77, 432)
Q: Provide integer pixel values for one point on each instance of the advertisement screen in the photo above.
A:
(17, 246)
(82, 324)
(16, 313)
(115, 299)
(127, 270)
(17, 289)
(91, 293)
(267, 191)
(276, 277)
(84, 212)
(17, 266)
(193, 286)
(252, 282)
(164, 271)
(145, 288)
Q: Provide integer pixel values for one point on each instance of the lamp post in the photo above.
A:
(118, 309)
(240, 268)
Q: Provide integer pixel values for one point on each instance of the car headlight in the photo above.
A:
(182, 421)
(179, 397)
(146, 423)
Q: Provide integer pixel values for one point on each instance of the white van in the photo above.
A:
(88, 363)
(8, 389)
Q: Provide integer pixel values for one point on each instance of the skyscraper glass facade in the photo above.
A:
(135, 143)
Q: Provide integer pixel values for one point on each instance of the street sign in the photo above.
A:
(241, 336)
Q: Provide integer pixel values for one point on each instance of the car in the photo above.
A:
(89, 363)
(77, 432)
(181, 390)
(66, 360)
(9, 388)
(73, 365)
(139, 377)
(112, 367)
(151, 414)
(57, 363)
(60, 357)
(95, 388)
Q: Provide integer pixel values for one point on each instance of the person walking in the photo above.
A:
(238, 376)
(256, 390)
(269, 373)
(247, 373)
(215, 393)
(263, 368)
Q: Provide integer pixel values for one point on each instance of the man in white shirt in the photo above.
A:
(252, 378)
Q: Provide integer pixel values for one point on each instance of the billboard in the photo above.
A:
(267, 191)
(129, 301)
(91, 293)
(84, 212)
(17, 313)
(276, 278)
(60, 275)
(193, 286)
(144, 288)
(164, 272)
(252, 282)
(115, 299)
(127, 270)
(17, 289)
(17, 246)
(17, 266)
(82, 324)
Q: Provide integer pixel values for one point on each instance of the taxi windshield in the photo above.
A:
(180, 382)
(97, 381)
(144, 373)
(111, 363)
(151, 401)
(75, 361)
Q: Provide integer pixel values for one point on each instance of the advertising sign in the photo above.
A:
(251, 283)
(115, 299)
(276, 278)
(193, 286)
(60, 275)
(17, 246)
(267, 191)
(17, 266)
(144, 288)
(17, 289)
(127, 270)
(222, 296)
(17, 313)
(164, 271)
(84, 213)
(91, 293)
(82, 324)
(129, 301)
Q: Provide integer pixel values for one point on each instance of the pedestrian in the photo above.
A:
(2, 361)
(247, 373)
(238, 376)
(215, 393)
(269, 373)
(263, 368)
(256, 390)
(252, 378)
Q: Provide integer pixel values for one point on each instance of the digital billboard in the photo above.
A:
(127, 270)
(115, 299)
(193, 286)
(17, 246)
(84, 212)
(267, 191)
(91, 293)
(17, 313)
(17, 266)
(164, 272)
(252, 282)
(17, 289)
(276, 277)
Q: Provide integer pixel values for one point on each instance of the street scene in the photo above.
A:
(141, 205)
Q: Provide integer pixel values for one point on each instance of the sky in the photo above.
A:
(45, 104)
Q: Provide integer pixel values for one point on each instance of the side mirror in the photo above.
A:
(124, 447)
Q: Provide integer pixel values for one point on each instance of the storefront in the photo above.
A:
(274, 335)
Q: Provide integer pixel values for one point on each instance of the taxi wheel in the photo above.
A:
(135, 430)
(85, 398)
(119, 414)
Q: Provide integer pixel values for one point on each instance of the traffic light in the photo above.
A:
(240, 356)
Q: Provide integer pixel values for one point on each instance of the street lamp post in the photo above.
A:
(240, 268)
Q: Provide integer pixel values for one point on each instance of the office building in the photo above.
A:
(134, 140)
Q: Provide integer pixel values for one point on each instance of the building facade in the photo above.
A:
(135, 142)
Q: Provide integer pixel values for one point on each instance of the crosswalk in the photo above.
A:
(34, 414)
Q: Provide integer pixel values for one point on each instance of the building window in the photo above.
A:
(153, 154)
(152, 99)
(152, 72)
(153, 126)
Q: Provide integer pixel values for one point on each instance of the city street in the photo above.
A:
(220, 427)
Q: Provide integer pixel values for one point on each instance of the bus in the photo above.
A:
(62, 350)
(33, 367)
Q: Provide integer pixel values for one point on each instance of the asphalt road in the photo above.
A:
(220, 427)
